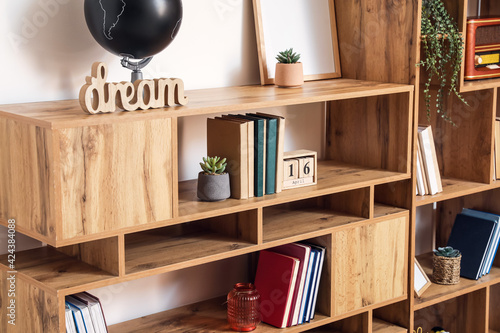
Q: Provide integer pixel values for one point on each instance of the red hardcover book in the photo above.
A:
(301, 252)
(275, 280)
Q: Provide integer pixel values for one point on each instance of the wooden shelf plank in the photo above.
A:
(380, 210)
(479, 85)
(282, 223)
(332, 177)
(57, 272)
(63, 114)
(454, 188)
(152, 250)
(207, 317)
(380, 326)
(437, 293)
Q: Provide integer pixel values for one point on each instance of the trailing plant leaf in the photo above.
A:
(288, 57)
(443, 46)
(213, 165)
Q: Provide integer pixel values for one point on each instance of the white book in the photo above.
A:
(420, 179)
(96, 312)
(77, 318)
(430, 159)
(70, 320)
(87, 319)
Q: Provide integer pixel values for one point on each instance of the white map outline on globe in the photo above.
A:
(108, 35)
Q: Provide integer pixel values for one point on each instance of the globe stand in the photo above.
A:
(135, 67)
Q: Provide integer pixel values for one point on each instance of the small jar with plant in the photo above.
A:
(446, 265)
(289, 71)
(443, 48)
(213, 180)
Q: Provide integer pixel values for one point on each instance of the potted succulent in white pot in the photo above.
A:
(289, 72)
(213, 181)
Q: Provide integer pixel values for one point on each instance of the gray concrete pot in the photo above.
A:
(213, 187)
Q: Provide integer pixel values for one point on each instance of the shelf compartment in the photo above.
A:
(191, 243)
(354, 324)
(453, 188)
(437, 293)
(57, 272)
(208, 316)
(494, 318)
(332, 177)
(381, 326)
(315, 215)
(463, 314)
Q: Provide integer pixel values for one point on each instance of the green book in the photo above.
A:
(271, 145)
(259, 152)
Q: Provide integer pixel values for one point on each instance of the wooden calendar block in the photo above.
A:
(291, 169)
(300, 168)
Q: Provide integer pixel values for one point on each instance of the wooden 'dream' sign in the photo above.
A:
(299, 168)
(99, 96)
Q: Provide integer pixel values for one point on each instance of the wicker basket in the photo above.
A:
(446, 270)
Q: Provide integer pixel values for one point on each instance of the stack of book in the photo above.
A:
(288, 279)
(84, 314)
(476, 234)
(253, 145)
(428, 176)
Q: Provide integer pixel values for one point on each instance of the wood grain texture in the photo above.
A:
(67, 114)
(378, 274)
(463, 314)
(205, 317)
(55, 272)
(355, 324)
(494, 318)
(356, 202)
(332, 177)
(26, 176)
(115, 176)
(377, 39)
(464, 151)
(35, 309)
(381, 326)
(385, 122)
(103, 254)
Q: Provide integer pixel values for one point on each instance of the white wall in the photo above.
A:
(45, 53)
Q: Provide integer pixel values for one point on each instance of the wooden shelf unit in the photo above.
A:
(168, 230)
(465, 157)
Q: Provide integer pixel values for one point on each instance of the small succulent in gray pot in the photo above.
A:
(213, 181)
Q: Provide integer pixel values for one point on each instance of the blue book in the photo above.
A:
(471, 235)
(321, 259)
(271, 151)
(307, 286)
(492, 249)
(84, 311)
(312, 283)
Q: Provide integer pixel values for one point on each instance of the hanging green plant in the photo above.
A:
(443, 47)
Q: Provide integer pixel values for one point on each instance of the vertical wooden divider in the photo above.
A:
(101, 253)
(121, 255)
(175, 165)
(368, 321)
(260, 225)
(371, 212)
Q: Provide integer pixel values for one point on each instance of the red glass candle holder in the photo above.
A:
(243, 311)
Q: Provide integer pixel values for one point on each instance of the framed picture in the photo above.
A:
(309, 27)
(421, 280)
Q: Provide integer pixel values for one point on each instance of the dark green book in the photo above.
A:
(271, 146)
(259, 152)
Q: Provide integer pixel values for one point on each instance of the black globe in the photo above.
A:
(136, 28)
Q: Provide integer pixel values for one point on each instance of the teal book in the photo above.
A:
(259, 152)
(271, 150)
